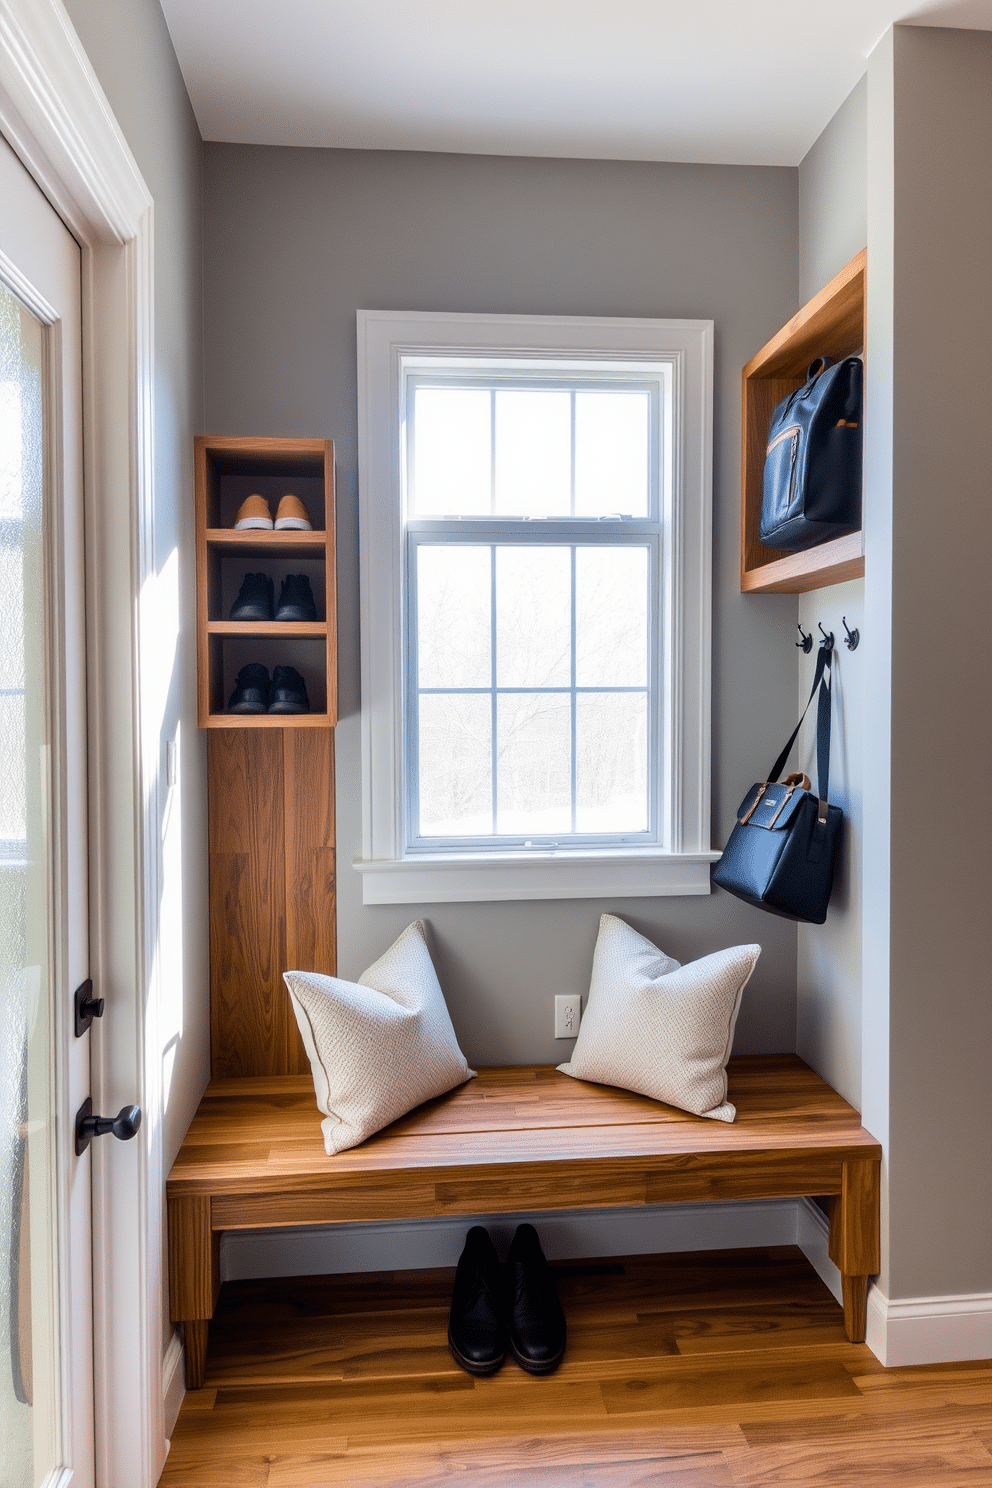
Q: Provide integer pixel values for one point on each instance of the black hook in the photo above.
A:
(852, 637)
(806, 644)
(828, 638)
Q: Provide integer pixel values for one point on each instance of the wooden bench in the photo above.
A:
(514, 1140)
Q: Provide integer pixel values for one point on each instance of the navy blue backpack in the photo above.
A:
(812, 483)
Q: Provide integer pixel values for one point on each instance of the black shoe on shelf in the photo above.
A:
(536, 1321)
(251, 690)
(254, 601)
(289, 692)
(476, 1328)
(296, 599)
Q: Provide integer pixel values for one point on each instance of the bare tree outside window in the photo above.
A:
(532, 662)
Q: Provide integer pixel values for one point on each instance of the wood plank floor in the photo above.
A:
(719, 1370)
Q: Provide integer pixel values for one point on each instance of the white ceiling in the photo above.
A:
(733, 81)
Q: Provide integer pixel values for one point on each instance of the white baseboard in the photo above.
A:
(915, 1330)
(565, 1234)
(812, 1237)
(173, 1381)
(929, 1330)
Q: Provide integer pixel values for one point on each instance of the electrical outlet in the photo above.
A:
(568, 1011)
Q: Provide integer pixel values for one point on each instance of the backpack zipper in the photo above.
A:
(792, 432)
(789, 433)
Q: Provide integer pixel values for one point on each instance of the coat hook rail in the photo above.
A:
(851, 637)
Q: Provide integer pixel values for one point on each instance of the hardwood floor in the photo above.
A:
(718, 1370)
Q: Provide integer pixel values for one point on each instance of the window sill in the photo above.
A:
(458, 878)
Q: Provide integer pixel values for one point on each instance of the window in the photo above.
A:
(535, 503)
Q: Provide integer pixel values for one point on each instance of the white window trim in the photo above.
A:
(388, 877)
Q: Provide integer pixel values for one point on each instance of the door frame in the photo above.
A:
(54, 114)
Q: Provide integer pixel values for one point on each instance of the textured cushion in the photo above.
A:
(659, 1028)
(378, 1046)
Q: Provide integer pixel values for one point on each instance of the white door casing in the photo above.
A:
(55, 116)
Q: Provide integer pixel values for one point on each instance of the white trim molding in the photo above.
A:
(57, 118)
(553, 875)
(658, 1229)
(813, 1239)
(173, 1381)
(929, 1330)
(390, 343)
(912, 1330)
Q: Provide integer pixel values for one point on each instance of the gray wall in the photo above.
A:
(131, 52)
(833, 227)
(833, 195)
(295, 241)
(933, 291)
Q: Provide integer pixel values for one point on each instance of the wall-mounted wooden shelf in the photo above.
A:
(227, 470)
(832, 325)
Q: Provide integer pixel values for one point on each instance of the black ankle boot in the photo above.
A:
(254, 601)
(289, 692)
(252, 689)
(537, 1323)
(296, 601)
(476, 1330)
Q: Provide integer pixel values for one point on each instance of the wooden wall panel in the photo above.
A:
(308, 808)
(272, 896)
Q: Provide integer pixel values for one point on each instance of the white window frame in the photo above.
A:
(387, 342)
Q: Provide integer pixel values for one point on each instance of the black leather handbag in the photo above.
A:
(780, 855)
(812, 480)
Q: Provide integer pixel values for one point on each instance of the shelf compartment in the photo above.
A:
(831, 325)
(227, 470)
(231, 649)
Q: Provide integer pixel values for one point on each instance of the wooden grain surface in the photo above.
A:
(551, 1136)
(272, 890)
(194, 1257)
(723, 1370)
(308, 821)
(248, 1018)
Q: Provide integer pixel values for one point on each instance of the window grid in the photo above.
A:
(573, 386)
(427, 533)
(496, 530)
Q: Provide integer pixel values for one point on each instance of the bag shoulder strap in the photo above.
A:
(821, 682)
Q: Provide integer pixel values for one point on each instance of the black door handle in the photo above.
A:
(123, 1126)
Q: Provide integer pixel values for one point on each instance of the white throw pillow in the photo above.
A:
(659, 1028)
(379, 1046)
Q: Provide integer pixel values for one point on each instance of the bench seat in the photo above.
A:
(516, 1139)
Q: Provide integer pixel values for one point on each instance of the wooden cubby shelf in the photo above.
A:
(227, 470)
(831, 325)
(266, 627)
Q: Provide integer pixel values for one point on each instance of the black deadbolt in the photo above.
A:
(86, 1007)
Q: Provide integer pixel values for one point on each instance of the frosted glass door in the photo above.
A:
(28, 1404)
(46, 1330)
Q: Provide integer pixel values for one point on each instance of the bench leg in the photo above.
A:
(854, 1242)
(855, 1294)
(195, 1342)
(194, 1278)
